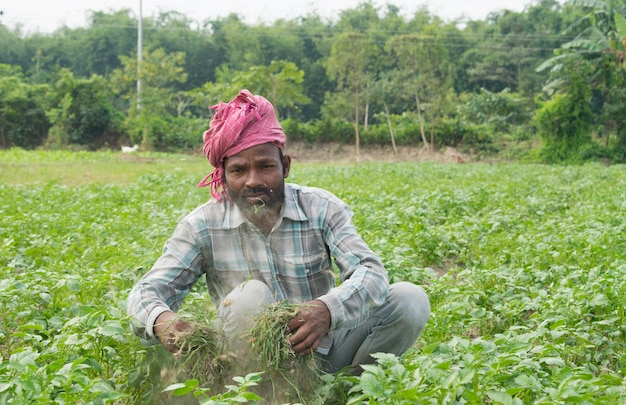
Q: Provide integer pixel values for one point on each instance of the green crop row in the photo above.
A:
(525, 266)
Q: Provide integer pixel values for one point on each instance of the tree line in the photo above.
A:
(553, 72)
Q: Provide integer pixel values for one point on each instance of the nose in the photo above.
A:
(254, 179)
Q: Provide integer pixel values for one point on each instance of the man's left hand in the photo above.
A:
(308, 327)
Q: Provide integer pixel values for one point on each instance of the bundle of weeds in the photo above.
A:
(201, 354)
(268, 336)
(287, 374)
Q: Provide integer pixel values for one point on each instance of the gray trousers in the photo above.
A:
(391, 328)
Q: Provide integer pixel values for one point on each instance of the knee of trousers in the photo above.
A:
(412, 303)
(246, 298)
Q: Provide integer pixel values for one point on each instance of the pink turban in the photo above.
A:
(244, 122)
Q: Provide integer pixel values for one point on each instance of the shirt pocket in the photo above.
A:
(306, 276)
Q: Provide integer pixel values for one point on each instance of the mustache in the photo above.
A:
(257, 190)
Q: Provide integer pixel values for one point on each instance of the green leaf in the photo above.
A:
(550, 63)
(430, 348)
(500, 397)
(609, 321)
(45, 297)
(103, 386)
(620, 25)
(600, 300)
(251, 396)
(173, 387)
(31, 326)
(372, 369)
(526, 381)
(553, 361)
(112, 329)
(181, 389)
(371, 385)
(24, 358)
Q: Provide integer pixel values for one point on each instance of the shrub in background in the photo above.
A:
(564, 122)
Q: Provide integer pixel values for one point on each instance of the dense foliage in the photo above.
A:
(371, 75)
(525, 266)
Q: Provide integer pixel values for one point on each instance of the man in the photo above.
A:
(260, 240)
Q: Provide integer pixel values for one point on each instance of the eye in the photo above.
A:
(235, 170)
(268, 165)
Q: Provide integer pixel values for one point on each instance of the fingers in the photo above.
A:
(174, 336)
(304, 341)
(170, 342)
(295, 323)
(304, 348)
(308, 327)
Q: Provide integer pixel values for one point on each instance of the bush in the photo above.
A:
(24, 123)
(502, 110)
(593, 151)
(293, 130)
(184, 134)
(564, 129)
(93, 120)
(149, 131)
(565, 121)
(23, 120)
(407, 129)
(319, 131)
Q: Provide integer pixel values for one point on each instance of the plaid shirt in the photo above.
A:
(295, 260)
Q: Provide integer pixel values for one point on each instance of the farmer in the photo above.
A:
(260, 240)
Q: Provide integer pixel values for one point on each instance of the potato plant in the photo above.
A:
(525, 266)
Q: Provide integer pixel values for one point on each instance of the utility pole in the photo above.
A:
(139, 54)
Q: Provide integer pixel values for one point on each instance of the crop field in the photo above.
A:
(525, 266)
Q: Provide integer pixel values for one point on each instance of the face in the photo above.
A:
(255, 178)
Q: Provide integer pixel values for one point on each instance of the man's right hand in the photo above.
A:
(170, 330)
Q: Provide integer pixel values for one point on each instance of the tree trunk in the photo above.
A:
(621, 133)
(356, 124)
(367, 106)
(421, 121)
(432, 135)
(393, 139)
(519, 74)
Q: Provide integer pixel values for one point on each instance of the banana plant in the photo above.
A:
(602, 32)
(600, 39)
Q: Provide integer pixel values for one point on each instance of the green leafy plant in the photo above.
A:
(524, 265)
(235, 394)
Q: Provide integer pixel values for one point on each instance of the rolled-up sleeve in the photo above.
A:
(165, 286)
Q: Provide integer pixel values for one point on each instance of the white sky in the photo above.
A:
(48, 15)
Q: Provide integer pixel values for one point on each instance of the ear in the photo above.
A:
(286, 166)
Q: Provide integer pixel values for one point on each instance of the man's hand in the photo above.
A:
(171, 331)
(308, 327)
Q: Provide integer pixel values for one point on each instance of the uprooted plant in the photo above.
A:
(201, 354)
(286, 373)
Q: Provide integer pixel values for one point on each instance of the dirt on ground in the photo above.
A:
(334, 152)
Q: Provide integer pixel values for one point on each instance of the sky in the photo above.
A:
(47, 15)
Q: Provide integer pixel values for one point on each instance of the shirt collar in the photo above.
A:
(291, 209)
(291, 206)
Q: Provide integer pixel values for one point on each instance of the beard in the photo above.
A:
(259, 200)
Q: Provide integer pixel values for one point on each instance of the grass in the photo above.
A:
(202, 354)
(290, 376)
(525, 266)
(268, 336)
(77, 169)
